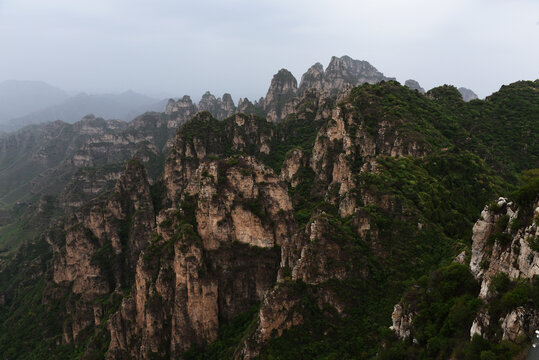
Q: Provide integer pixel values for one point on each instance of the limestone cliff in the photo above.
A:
(180, 111)
(219, 108)
(504, 260)
(215, 254)
(305, 229)
(97, 247)
(504, 245)
(281, 97)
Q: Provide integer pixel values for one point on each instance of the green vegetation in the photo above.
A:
(420, 211)
(528, 193)
(445, 304)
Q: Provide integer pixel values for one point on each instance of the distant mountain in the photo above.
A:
(284, 94)
(124, 106)
(18, 98)
(467, 94)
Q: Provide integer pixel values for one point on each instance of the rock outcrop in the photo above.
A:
(219, 108)
(97, 247)
(180, 111)
(499, 248)
(227, 209)
(281, 98)
(402, 322)
(501, 245)
(467, 94)
(414, 85)
(345, 71)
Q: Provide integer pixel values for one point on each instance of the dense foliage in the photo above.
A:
(435, 199)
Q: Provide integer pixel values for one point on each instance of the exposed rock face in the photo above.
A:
(180, 111)
(278, 312)
(281, 97)
(345, 70)
(87, 183)
(402, 322)
(516, 258)
(344, 143)
(109, 232)
(467, 94)
(197, 282)
(520, 322)
(227, 107)
(499, 248)
(414, 85)
(294, 160)
(283, 94)
(243, 133)
(220, 109)
(247, 107)
(312, 79)
(48, 156)
(340, 76)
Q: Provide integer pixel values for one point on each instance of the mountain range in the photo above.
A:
(24, 103)
(345, 217)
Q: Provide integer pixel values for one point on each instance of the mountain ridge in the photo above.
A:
(251, 238)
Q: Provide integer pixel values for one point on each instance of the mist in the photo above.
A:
(170, 48)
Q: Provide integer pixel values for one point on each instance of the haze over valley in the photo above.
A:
(306, 180)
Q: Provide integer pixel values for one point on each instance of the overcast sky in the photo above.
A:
(174, 47)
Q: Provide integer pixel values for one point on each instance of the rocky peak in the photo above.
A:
(170, 106)
(414, 85)
(345, 70)
(227, 105)
(208, 102)
(281, 97)
(219, 108)
(180, 111)
(283, 85)
(467, 94)
(312, 79)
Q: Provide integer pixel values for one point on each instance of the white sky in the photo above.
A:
(174, 47)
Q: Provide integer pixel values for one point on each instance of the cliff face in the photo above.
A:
(503, 246)
(53, 153)
(216, 249)
(215, 255)
(96, 248)
(341, 75)
(312, 225)
(281, 97)
(504, 261)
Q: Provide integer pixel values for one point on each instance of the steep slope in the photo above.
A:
(493, 301)
(291, 239)
(66, 165)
